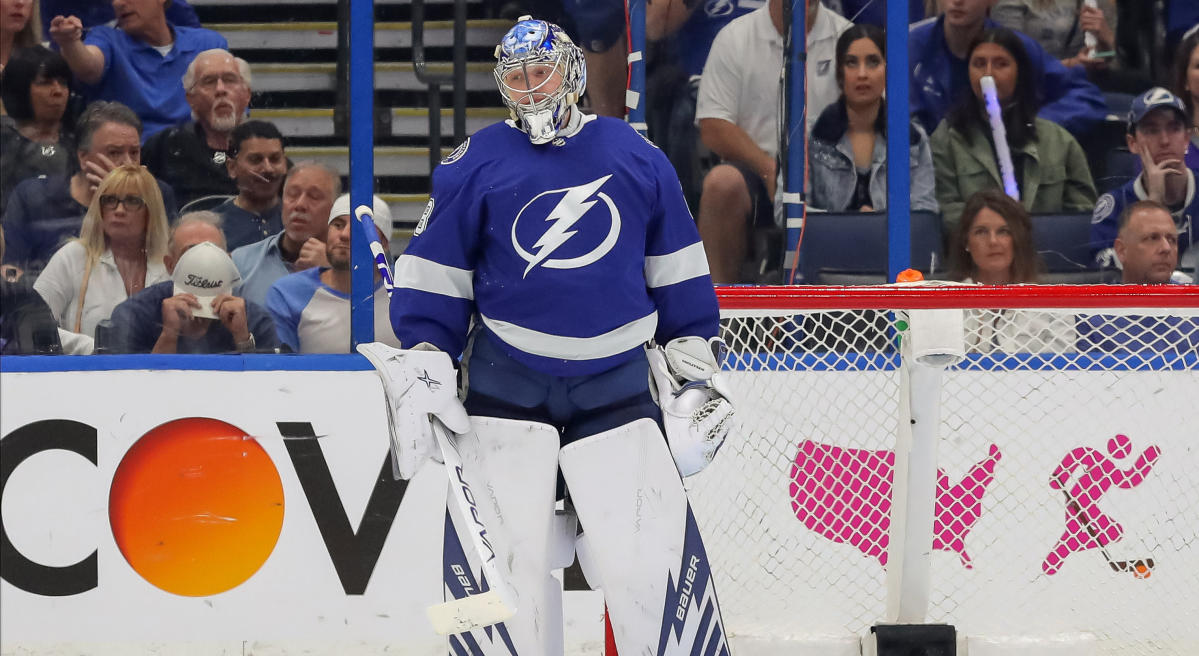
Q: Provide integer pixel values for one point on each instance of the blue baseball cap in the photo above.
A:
(1155, 98)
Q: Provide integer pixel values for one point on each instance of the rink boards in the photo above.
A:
(298, 541)
(331, 581)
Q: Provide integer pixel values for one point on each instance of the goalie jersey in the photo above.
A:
(571, 254)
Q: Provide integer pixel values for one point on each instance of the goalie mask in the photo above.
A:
(540, 74)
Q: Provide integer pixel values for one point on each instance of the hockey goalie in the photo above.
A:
(557, 285)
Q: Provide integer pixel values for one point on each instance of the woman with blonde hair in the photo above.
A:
(118, 253)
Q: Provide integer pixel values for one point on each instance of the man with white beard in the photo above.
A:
(191, 156)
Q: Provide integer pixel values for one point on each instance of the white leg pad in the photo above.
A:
(512, 470)
(643, 540)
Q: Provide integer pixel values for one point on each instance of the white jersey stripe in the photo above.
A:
(614, 342)
(428, 276)
(684, 264)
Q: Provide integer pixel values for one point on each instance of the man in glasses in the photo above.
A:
(191, 156)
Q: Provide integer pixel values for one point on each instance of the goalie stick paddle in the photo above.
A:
(1141, 568)
(486, 608)
(477, 610)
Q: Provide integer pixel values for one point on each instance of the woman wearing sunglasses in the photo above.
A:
(118, 253)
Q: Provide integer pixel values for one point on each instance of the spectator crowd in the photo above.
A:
(143, 211)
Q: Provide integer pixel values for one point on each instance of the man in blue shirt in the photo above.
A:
(165, 318)
(140, 62)
(308, 194)
(311, 308)
(938, 48)
(1157, 133)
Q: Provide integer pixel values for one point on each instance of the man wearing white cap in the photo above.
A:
(196, 311)
(311, 308)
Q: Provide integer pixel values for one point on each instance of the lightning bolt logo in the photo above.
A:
(574, 204)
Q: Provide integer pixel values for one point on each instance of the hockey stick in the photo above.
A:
(485, 608)
(1141, 568)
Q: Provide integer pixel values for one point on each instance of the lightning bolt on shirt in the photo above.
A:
(572, 254)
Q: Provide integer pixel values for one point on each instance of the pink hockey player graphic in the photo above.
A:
(1087, 526)
(844, 495)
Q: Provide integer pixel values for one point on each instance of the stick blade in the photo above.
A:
(474, 611)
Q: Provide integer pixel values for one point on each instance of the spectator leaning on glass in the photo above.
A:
(44, 213)
(1158, 134)
(198, 310)
(1050, 167)
(119, 252)
(848, 146)
(257, 163)
(33, 139)
(140, 62)
(308, 194)
(20, 27)
(993, 245)
(1186, 85)
(191, 156)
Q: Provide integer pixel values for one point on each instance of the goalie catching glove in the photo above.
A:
(418, 386)
(696, 411)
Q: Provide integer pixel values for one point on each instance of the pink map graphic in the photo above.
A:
(844, 495)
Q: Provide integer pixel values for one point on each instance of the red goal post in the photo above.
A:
(1037, 487)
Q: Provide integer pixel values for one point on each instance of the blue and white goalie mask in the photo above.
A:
(541, 73)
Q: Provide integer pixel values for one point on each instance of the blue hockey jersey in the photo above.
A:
(1105, 220)
(572, 254)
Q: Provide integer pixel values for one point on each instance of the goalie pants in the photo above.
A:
(578, 406)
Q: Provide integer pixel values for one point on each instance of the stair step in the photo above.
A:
(405, 121)
(389, 160)
(389, 75)
(323, 35)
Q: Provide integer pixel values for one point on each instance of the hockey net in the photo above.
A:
(1097, 387)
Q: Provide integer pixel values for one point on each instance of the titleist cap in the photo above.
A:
(1155, 98)
(205, 271)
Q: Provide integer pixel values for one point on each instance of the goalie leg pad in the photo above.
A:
(643, 540)
(511, 467)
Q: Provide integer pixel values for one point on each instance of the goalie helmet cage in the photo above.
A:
(1066, 504)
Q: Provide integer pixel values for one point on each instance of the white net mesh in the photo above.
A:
(797, 507)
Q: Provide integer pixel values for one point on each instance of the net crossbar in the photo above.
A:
(1066, 509)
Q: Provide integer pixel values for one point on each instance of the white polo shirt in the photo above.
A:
(741, 80)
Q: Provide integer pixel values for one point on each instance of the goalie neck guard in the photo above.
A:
(541, 74)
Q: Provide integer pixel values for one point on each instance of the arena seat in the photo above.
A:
(843, 248)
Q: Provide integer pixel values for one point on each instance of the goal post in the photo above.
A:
(1039, 492)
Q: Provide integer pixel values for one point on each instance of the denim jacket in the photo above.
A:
(834, 176)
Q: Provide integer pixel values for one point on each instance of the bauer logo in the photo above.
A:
(196, 507)
(575, 225)
(691, 622)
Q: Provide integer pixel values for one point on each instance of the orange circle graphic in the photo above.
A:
(196, 506)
